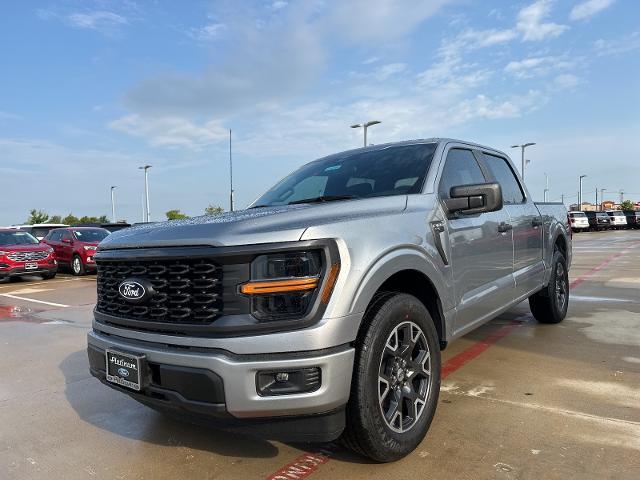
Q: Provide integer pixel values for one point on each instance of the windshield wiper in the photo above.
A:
(322, 199)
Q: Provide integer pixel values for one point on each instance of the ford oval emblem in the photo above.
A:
(135, 291)
(123, 372)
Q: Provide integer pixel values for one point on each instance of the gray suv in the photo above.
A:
(320, 311)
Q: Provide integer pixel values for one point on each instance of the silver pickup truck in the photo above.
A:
(320, 311)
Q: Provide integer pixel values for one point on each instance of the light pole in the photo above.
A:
(146, 189)
(546, 188)
(523, 146)
(113, 205)
(365, 126)
(602, 190)
(230, 175)
(580, 193)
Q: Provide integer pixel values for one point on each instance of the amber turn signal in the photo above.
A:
(279, 286)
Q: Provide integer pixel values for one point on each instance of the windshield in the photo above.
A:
(17, 238)
(616, 213)
(91, 235)
(578, 215)
(396, 170)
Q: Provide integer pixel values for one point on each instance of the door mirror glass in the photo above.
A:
(473, 199)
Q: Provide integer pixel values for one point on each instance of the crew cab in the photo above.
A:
(75, 247)
(21, 254)
(320, 311)
(578, 221)
(618, 218)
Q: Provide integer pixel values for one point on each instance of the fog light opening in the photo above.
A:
(288, 382)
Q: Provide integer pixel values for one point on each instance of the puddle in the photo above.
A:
(9, 313)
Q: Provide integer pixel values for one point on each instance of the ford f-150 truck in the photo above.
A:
(320, 311)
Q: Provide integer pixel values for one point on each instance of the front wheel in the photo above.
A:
(550, 304)
(77, 267)
(396, 379)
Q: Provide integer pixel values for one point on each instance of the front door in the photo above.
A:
(481, 248)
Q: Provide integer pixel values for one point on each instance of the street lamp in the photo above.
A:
(602, 190)
(365, 126)
(113, 205)
(146, 189)
(546, 187)
(523, 146)
(580, 193)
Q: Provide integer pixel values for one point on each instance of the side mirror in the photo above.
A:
(471, 199)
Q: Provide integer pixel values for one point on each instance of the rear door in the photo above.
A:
(53, 240)
(481, 254)
(525, 219)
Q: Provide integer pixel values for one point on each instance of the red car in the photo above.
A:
(76, 246)
(22, 254)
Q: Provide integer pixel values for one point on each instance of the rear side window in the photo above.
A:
(460, 168)
(501, 170)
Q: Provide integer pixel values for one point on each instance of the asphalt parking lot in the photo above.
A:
(520, 400)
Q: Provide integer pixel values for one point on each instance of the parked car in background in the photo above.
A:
(633, 218)
(75, 246)
(22, 254)
(578, 221)
(618, 219)
(39, 230)
(598, 221)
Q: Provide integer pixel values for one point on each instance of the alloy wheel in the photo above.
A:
(561, 286)
(404, 377)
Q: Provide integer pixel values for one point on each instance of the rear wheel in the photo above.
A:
(77, 267)
(396, 379)
(550, 304)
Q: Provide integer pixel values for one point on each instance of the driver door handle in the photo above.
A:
(504, 227)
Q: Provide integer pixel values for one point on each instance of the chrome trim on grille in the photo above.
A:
(27, 256)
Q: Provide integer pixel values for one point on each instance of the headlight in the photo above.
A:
(90, 248)
(284, 285)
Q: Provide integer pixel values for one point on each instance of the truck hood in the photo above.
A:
(284, 223)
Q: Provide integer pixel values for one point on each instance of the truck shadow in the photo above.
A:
(123, 417)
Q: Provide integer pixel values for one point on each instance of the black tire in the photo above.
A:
(550, 304)
(48, 276)
(77, 267)
(368, 431)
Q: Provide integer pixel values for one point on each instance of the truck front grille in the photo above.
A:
(27, 256)
(187, 291)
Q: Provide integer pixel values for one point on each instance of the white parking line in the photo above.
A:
(32, 300)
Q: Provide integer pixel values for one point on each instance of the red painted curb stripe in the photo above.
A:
(464, 357)
(304, 465)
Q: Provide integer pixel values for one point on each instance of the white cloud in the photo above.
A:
(171, 131)
(97, 20)
(531, 22)
(566, 80)
(380, 20)
(208, 32)
(279, 4)
(619, 46)
(539, 66)
(588, 9)
(386, 71)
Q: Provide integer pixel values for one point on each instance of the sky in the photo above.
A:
(92, 89)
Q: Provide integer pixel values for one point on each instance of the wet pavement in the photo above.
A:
(520, 400)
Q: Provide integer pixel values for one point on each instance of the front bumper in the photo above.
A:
(231, 395)
(19, 271)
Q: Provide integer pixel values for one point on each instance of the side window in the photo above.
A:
(511, 192)
(54, 236)
(460, 168)
(66, 235)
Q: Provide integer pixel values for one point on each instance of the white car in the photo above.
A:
(578, 221)
(618, 218)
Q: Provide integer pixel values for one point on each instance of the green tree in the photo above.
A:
(627, 205)
(213, 210)
(175, 215)
(71, 219)
(103, 219)
(37, 216)
(55, 219)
